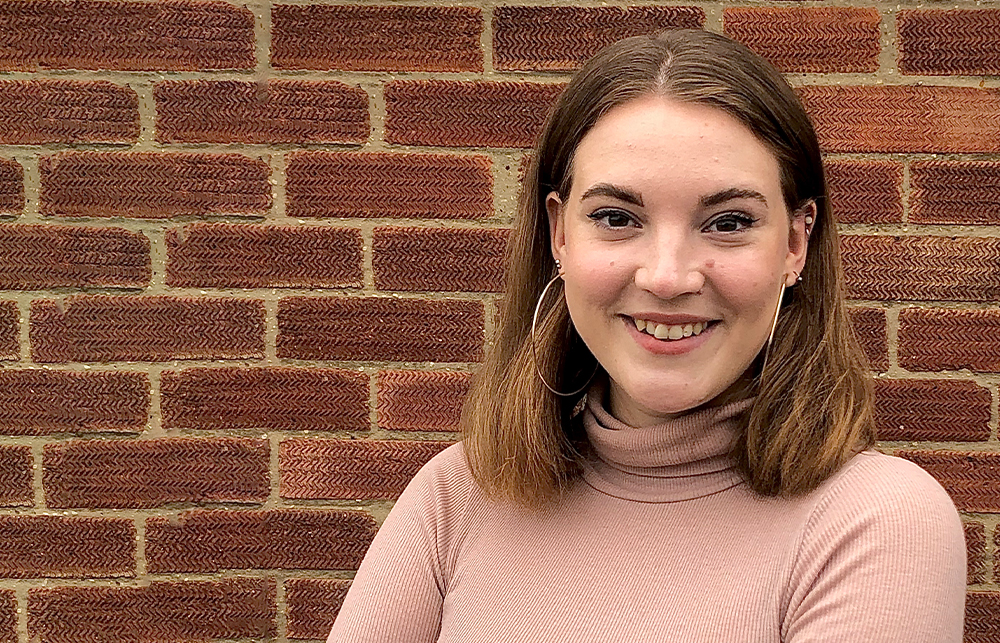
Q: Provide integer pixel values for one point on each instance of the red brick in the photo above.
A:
(955, 192)
(151, 473)
(942, 340)
(870, 328)
(367, 38)
(278, 111)
(814, 39)
(982, 617)
(562, 38)
(33, 257)
(975, 543)
(940, 410)
(438, 258)
(33, 112)
(390, 329)
(319, 399)
(9, 330)
(906, 119)
(475, 114)
(102, 328)
(129, 36)
(11, 191)
(229, 608)
(66, 546)
(8, 616)
(972, 479)
(15, 484)
(313, 604)
(934, 42)
(352, 184)
(865, 191)
(152, 185)
(209, 541)
(40, 402)
(351, 469)
(421, 400)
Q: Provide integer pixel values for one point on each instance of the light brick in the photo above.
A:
(421, 400)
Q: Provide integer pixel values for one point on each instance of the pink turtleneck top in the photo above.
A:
(661, 540)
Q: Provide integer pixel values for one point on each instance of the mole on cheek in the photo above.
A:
(710, 263)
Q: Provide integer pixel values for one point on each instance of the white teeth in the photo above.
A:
(661, 331)
(674, 332)
(640, 324)
(688, 330)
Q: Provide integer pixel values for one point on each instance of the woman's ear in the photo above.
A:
(802, 223)
(557, 228)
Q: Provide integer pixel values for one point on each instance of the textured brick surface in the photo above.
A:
(865, 191)
(8, 616)
(207, 541)
(84, 34)
(38, 402)
(975, 543)
(352, 469)
(380, 329)
(151, 473)
(940, 410)
(982, 617)
(66, 546)
(313, 604)
(230, 608)
(814, 39)
(15, 484)
(67, 111)
(438, 259)
(957, 192)
(272, 398)
(939, 42)
(33, 257)
(870, 328)
(941, 340)
(11, 188)
(421, 400)
(240, 256)
(972, 479)
(367, 38)
(344, 184)
(99, 328)
(891, 118)
(280, 111)
(475, 114)
(562, 38)
(152, 185)
(9, 330)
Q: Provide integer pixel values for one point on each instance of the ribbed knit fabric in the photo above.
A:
(661, 540)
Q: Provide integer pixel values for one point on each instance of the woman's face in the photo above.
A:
(674, 242)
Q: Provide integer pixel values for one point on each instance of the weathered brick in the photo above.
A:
(421, 400)
(813, 39)
(870, 328)
(278, 111)
(322, 399)
(33, 112)
(940, 410)
(313, 604)
(562, 38)
(865, 191)
(370, 328)
(905, 119)
(955, 192)
(33, 257)
(972, 479)
(102, 328)
(8, 616)
(40, 402)
(9, 330)
(438, 258)
(228, 608)
(66, 546)
(152, 185)
(151, 473)
(351, 469)
(936, 42)
(975, 544)
(370, 38)
(11, 191)
(352, 184)
(209, 541)
(16, 464)
(165, 35)
(982, 617)
(475, 114)
(942, 340)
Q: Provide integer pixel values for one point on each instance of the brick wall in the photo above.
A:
(249, 255)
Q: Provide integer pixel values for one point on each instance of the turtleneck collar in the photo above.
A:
(684, 458)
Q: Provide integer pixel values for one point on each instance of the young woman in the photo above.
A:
(670, 439)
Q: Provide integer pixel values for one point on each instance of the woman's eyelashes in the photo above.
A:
(612, 218)
(731, 222)
(726, 223)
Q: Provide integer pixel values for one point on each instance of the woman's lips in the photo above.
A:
(688, 340)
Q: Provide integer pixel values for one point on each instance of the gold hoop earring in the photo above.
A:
(774, 322)
(534, 355)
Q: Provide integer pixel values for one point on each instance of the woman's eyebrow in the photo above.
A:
(722, 196)
(615, 192)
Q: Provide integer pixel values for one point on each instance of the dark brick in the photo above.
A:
(16, 464)
(8, 616)
(935, 42)
(870, 328)
(435, 259)
(975, 543)
(939, 410)
(865, 191)
(10, 330)
(313, 604)
(972, 479)
(11, 194)
(34, 112)
(982, 617)
(942, 340)
(66, 546)
(955, 192)
(421, 400)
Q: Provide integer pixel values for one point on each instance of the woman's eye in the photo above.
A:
(612, 218)
(731, 223)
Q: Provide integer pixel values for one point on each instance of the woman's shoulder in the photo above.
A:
(444, 485)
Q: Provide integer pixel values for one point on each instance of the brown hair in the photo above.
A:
(813, 406)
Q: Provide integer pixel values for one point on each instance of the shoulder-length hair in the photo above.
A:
(813, 402)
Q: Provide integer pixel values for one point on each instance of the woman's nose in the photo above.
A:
(670, 270)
